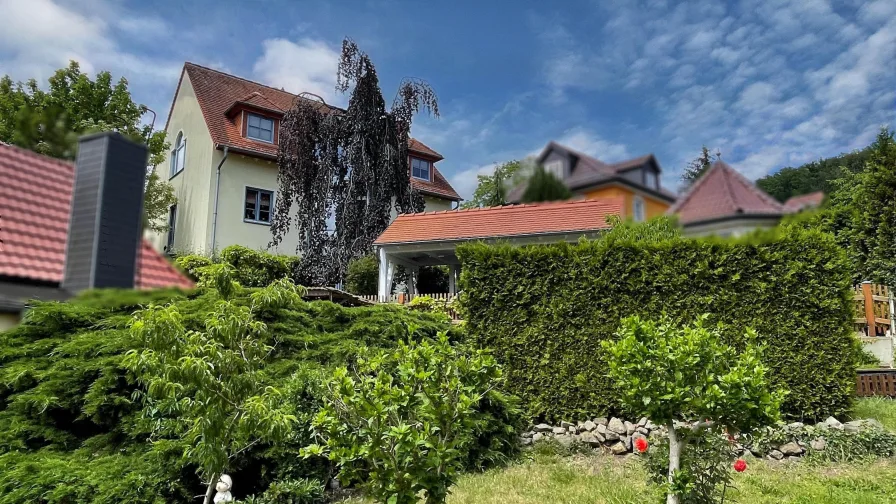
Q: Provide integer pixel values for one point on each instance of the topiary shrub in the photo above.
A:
(253, 268)
(545, 310)
(361, 277)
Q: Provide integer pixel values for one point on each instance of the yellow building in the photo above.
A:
(636, 182)
(224, 132)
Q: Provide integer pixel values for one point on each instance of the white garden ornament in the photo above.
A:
(223, 487)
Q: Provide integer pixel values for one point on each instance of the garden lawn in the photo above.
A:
(881, 408)
(547, 479)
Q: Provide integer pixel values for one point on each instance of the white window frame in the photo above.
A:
(258, 190)
(555, 167)
(178, 155)
(647, 179)
(260, 117)
(639, 209)
(429, 170)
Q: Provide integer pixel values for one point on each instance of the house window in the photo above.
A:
(178, 154)
(260, 128)
(258, 206)
(172, 222)
(420, 168)
(650, 179)
(555, 168)
(638, 211)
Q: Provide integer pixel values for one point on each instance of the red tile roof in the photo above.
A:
(218, 92)
(35, 203)
(811, 200)
(502, 222)
(723, 192)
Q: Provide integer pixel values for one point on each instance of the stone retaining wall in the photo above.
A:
(617, 436)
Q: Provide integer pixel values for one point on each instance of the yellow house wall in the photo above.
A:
(194, 185)
(653, 207)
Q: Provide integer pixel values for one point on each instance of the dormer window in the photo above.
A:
(555, 167)
(260, 128)
(650, 179)
(421, 169)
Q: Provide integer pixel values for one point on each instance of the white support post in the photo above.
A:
(384, 280)
(452, 279)
(413, 274)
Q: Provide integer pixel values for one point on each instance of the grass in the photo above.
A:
(601, 479)
(881, 408)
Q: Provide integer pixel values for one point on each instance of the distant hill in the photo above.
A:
(811, 177)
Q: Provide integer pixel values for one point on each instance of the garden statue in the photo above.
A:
(223, 487)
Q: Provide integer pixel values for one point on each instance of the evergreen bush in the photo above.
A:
(253, 268)
(545, 310)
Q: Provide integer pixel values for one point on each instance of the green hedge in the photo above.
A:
(545, 309)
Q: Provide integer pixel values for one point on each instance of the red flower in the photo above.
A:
(740, 465)
(641, 445)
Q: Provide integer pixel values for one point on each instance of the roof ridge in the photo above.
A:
(751, 186)
(729, 191)
(28, 152)
(238, 77)
(517, 206)
(682, 201)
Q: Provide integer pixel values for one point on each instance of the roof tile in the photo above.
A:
(811, 200)
(35, 203)
(218, 92)
(501, 222)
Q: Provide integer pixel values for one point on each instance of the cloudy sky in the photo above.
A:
(769, 83)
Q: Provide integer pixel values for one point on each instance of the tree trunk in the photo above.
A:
(674, 462)
(210, 491)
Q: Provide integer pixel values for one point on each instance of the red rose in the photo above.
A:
(740, 465)
(641, 445)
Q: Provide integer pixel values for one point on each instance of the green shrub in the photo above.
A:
(254, 268)
(67, 404)
(405, 421)
(362, 276)
(298, 491)
(706, 465)
(546, 309)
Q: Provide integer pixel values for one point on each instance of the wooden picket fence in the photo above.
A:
(876, 383)
(442, 297)
(874, 308)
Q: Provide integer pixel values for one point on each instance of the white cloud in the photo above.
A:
(758, 95)
(592, 144)
(47, 35)
(307, 65)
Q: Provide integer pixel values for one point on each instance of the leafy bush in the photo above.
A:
(864, 443)
(254, 268)
(299, 491)
(706, 465)
(67, 408)
(406, 421)
(545, 310)
(361, 277)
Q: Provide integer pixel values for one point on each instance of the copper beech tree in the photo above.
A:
(687, 378)
(346, 169)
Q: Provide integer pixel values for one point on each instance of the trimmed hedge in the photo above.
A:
(544, 310)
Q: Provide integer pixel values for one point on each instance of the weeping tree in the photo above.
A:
(346, 168)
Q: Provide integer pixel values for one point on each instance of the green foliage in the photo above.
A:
(706, 465)
(491, 190)
(654, 230)
(867, 442)
(68, 412)
(361, 277)
(298, 491)
(252, 268)
(403, 422)
(50, 122)
(544, 186)
(206, 387)
(697, 167)
(431, 305)
(545, 310)
(813, 176)
(670, 373)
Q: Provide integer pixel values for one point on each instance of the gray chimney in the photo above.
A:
(106, 223)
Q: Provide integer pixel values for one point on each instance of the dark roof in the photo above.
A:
(501, 222)
(35, 203)
(219, 93)
(591, 172)
(722, 192)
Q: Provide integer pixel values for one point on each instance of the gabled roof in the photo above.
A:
(501, 222)
(590, 172)
(811, 200)
(35, 203)
(219, 93)
(722, 192)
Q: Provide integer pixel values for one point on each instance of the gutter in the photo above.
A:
(217, 193)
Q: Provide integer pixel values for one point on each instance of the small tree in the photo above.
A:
(491, 190)
(404, 421)
(674, 374)
(545, 186)
(208, 387)
(698, 166)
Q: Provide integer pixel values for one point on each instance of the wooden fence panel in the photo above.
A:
(876, 383)
(873, 305)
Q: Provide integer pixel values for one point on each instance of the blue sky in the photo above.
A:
(768, 83)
